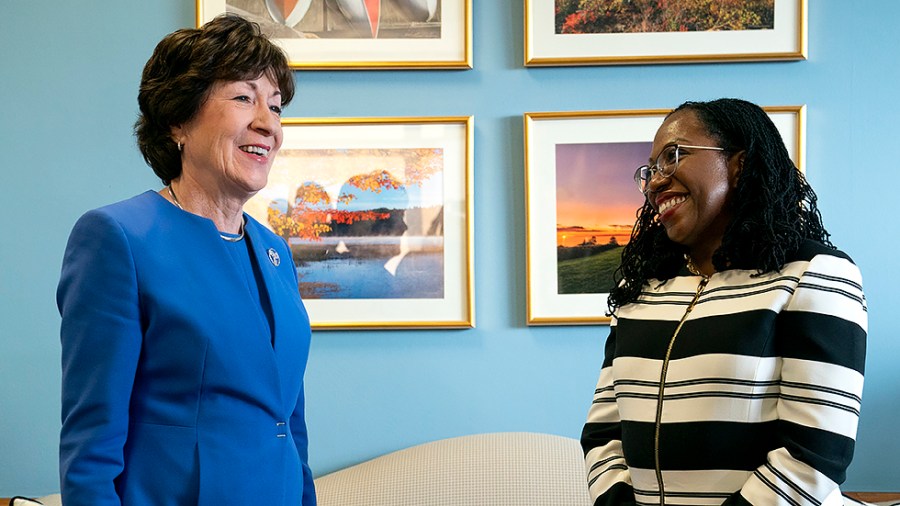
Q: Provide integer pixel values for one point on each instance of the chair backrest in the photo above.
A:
(500, 469)
(47, 500)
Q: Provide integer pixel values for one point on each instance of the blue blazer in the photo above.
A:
(173, 390)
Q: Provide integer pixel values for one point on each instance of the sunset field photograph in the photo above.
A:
(596, 203)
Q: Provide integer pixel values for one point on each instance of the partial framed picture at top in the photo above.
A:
(360, 34)
(581, 203)
(378, 215)
(614, 32)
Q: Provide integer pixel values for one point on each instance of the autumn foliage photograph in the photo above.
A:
(361, 223)
(647, 16)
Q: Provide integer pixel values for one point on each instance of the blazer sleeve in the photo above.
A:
(609, 480)
(821, 337)
(101, 341)
(301, 439)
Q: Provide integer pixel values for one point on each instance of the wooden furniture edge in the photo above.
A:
(874, 496)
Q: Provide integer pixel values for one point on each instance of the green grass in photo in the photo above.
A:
(592, 274)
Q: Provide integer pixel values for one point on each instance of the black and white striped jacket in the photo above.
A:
(761, 395)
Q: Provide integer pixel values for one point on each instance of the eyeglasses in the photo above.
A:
(666, 164)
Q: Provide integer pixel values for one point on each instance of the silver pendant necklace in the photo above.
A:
(229, 238)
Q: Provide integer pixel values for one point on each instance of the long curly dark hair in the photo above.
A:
(774, 208)
(183, 68)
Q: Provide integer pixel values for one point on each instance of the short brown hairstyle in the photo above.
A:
(179, 75)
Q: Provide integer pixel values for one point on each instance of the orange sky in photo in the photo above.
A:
(595, 190)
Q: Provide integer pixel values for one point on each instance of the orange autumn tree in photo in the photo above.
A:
(311, 213)
(307, 218)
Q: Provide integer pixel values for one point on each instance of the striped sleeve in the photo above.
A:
(821, 337)
(608, 477)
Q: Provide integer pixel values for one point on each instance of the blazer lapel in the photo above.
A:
(289, 317)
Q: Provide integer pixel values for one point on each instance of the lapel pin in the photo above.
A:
(273, 257)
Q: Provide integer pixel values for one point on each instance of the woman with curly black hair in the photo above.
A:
(734, 365)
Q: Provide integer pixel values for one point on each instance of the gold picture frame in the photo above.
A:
(556, 37)
(347, 35)
(580, 202)
(378, 215)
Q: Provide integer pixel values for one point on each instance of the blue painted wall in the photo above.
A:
(69, 73)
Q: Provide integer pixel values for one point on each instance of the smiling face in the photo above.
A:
(694, 203)
(230, 144)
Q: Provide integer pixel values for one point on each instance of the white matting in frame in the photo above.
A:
(346, 34)
(785, 40)
(378, 215)
(545, 134)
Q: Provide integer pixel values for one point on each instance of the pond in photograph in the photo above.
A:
(371, 268)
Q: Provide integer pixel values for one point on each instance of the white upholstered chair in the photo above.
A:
(501, 469)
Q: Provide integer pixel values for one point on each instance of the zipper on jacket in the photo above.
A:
(662, 388)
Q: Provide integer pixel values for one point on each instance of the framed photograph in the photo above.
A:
(378, 215)
(591, 32)
(360, 34)
(581, 203)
